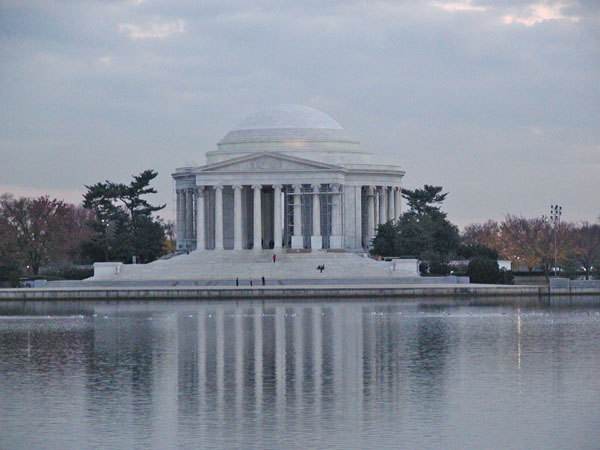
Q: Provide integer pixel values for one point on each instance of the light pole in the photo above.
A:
(555, 213)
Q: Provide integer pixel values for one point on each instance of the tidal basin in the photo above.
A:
(437, 373)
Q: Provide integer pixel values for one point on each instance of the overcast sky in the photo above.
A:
(498, 101)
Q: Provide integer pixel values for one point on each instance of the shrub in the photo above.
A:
(506, 277)
(484, 270)
(68, 273)
(435, 263)
(439, 268)
(460, 269)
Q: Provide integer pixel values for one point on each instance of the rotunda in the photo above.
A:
(287, 177)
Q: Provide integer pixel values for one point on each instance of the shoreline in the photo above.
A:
(234, 293)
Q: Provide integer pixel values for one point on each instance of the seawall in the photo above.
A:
(285, 292)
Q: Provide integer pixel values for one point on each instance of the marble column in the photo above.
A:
(189, 216)
(370, 213)
(200, 245)
(377, 222)
(391, 204)
(297, 241)
(237, 217)
(257, 217)
(277, 229)
(218, 217)
(397, 200)
(335, 240)
(180, 218)
(316, 240)
(382, 207)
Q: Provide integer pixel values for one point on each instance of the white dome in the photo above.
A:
(288, 116)
(290, 129)
(287, 123)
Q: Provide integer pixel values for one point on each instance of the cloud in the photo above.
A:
(443, 90)
(458, 6)
(540, 12)
(108, 60)
(536, 130)
(152, 30)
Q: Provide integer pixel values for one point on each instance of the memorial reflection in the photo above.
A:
(277, 359)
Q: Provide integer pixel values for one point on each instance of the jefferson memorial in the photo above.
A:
(287, 177)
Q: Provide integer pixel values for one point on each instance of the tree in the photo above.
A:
(486, 234)
(586, 246)
(470, 251)
(530, 242)
(10, 263)
(149, 239)
(39, 227)
(123, 225)
(421, 200)
(169, 246)
(385, 242)
(424, 228)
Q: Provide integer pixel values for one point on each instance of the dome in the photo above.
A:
(291, 129)
(288, 116)
(287, 123)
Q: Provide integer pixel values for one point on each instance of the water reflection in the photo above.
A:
(355, 374)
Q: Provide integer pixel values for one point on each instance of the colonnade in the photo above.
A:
(383, 205)
(195, 221)
(184, 215)
(191, 231)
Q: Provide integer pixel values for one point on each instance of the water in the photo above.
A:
(372, 374)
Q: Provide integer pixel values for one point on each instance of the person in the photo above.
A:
(250, 281)
(274, 258)
(263, 281)
(237, 281)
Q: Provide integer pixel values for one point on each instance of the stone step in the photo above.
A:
(229, 264)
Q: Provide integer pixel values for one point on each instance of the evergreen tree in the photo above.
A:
(386, 240)
(423, 229)
(421, 200)
(123, 222)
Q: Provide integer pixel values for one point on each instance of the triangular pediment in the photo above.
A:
(267, 161)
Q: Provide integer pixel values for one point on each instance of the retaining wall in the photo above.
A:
(291, 292)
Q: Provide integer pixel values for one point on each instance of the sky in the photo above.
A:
(496, 101)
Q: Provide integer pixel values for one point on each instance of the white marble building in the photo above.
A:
(288, 177)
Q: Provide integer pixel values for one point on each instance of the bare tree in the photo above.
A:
(38, 226)
(530, 242)
(487, 234)
(586, 246)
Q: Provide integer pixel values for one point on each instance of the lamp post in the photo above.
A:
(555, 213)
